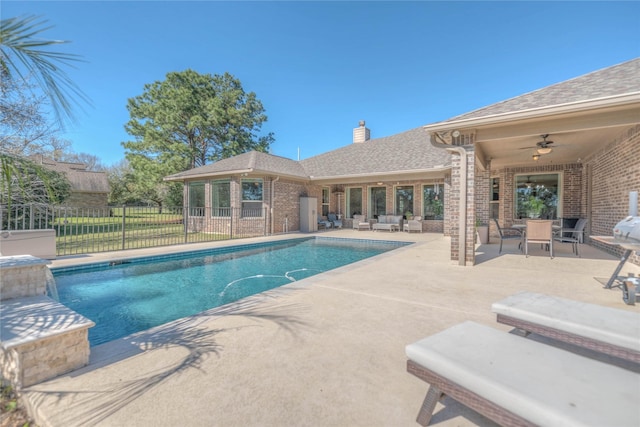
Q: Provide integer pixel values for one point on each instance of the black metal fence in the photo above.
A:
(90, 230)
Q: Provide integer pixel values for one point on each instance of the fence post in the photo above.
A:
(31, 220)
(124, 216)
(185, 219)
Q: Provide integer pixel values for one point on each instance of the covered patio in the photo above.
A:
(578, 142)
(325, 351)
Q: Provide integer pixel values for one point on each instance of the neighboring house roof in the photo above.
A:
(404, 153)
(617, 80)
(82, 180)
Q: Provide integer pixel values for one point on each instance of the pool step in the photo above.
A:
(41, 339)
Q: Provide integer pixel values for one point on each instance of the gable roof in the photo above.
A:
(405, 153)
(614, 81)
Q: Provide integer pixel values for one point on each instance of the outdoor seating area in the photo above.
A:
(545, 232)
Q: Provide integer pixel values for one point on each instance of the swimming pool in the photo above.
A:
(128, 296)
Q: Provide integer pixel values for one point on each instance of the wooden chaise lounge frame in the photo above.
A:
(440, 386)
(602, 329)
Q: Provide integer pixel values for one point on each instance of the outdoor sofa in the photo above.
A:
(388, 222)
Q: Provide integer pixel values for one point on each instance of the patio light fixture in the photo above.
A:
(536, 157)
(544, 150)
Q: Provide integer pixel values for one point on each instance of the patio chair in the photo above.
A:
(337, 223)
(414, 224)
(504, 236)
(360, 223)
(539, 231)
(324, 223)
(575, 235)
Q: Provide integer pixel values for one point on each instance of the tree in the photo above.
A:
(189, 120)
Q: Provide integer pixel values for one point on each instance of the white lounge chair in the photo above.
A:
(516, 381)
(602, 329)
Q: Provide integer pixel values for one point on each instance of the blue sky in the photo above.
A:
(321, 67)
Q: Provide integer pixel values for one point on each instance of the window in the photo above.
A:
(537, 196)
(404, 201)
(494, 201)
(354, 201)
(251, 198)
(433, 201)
(221, 198)
(325, 201)
(378, 201)
(196, 198)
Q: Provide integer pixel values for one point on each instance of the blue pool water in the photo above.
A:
(134, 295)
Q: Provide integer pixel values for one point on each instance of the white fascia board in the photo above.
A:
(571, 107)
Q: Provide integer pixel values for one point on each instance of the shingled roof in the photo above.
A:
(406, 152)
(81, 179)
(616, 80)
(250, 162)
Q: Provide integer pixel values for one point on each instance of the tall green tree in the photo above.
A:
(189, 120)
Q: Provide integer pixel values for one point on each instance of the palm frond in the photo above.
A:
(21, 49)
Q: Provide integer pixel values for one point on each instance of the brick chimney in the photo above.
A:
(361, 133)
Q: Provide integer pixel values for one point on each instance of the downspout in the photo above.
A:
(273, 199)
(462, 217)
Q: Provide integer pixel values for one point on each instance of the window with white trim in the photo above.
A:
(354, 201)
(221, 198)
(196, 198)
(252, 198)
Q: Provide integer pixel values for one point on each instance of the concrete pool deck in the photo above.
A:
(325, 351)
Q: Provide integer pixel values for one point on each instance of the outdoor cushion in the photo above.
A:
(617, 327)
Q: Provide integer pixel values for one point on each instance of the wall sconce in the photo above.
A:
(380, 183)
(536, 157)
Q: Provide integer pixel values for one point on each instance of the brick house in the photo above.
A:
(89, 189)
(575, 145)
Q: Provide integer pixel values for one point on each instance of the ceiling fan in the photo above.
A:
(542, 147)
